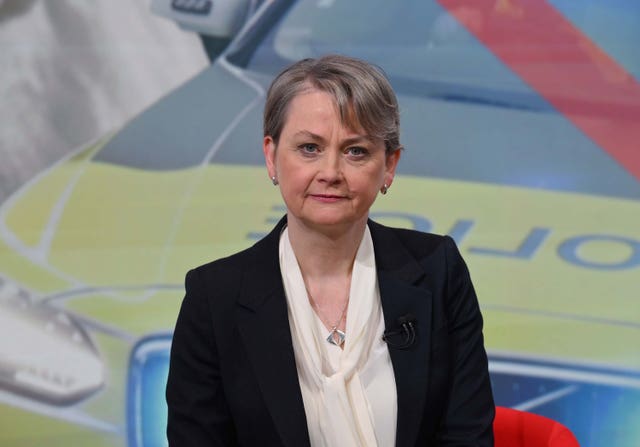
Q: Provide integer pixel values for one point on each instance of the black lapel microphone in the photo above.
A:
(407, 332)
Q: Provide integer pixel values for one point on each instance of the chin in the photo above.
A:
(334, 222)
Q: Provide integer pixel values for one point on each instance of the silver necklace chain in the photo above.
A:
(336, 336)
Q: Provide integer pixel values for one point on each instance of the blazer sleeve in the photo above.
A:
(198, 412)
(468, 418)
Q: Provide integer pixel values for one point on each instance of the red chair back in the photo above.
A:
(514, 428)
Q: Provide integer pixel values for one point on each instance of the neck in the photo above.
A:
(323, 254)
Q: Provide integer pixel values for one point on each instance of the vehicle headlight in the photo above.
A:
(146, 405)
(44, 354)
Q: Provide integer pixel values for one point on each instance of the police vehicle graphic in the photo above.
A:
(528, 176)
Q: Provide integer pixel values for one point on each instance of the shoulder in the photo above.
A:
(418, 244)
(224, 274)
(413, 237)
(260, 255)
(413, 254)
(228, 265)
(251, 271)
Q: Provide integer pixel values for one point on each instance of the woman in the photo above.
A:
(282, 344)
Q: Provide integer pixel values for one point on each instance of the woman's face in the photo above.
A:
(329, 175)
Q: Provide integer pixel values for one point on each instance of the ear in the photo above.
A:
(269, 150)
(390, 168)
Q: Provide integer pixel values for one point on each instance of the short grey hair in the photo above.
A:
(362, 93)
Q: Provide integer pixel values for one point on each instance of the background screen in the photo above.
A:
(520, 126)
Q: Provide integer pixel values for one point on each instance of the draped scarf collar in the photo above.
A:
(341, 406)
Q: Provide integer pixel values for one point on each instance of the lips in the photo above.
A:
(327, 198)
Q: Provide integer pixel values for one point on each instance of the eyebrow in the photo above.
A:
(346, 142)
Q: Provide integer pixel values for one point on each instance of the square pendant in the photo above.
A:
(336, 337)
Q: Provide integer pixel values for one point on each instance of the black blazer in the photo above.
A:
(233, 378)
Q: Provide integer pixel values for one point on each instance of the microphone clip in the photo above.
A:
(407, 330)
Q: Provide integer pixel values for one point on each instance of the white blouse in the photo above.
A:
(349, 394)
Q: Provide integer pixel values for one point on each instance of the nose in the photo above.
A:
(331, 168)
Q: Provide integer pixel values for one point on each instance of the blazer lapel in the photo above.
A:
(264, 328)
(398, 276)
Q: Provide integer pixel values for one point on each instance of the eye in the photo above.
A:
(308, 149)
(357, 152)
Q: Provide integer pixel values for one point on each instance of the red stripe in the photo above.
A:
(564, 66)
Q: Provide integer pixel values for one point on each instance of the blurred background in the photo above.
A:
(130, 151)
(70, 71)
